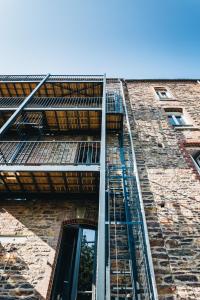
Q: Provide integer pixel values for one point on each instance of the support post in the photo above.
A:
(12, 118)
(77, 265)
(100, 278)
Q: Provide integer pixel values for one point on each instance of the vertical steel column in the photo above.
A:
(100, 279)
(77, 265)
(22, 105)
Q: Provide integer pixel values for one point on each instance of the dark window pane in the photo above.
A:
(171, 120)
(180, 120)
(86, 271)
(198, 160)
(164, 94)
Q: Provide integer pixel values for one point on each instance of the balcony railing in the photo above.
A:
(113, 103)
(52, 102)
(51, 78)
(75, 78)
(49, 153)
(21, 77)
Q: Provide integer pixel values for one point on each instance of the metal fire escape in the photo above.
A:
(124, 266)
(129, 271)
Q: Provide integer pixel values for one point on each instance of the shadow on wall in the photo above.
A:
(13, 283)
(43, 219)
(29, 233)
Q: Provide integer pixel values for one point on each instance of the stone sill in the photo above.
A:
(188, 127)
(169, 99)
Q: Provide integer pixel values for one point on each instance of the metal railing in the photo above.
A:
(8, 102)
(53, 102)
(114, 102)
(53, 78)
(21, 77)
(49, 153)
(76, 78)
(145, 270)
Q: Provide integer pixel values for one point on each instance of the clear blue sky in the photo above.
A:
(127, 38)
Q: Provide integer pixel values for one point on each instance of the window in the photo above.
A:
(162, 93)
(196, 159)
(177, 116)
(176, 119)
(76, 265)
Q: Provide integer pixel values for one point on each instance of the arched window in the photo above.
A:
(76, 264)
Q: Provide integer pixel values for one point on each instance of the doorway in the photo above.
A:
(76, 265)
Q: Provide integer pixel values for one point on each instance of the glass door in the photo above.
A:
(76, 265)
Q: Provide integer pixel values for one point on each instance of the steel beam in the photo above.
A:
(49, 168)
(10, 121)
(77, 265)
(53, 109)
(100, 277)
(62, 109)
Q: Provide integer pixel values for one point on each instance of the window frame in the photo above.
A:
(196, 163)
(197, 159)
(158, 90)
(174, 116)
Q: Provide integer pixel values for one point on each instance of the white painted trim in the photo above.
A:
(169, 94)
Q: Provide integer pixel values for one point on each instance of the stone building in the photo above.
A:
(99, 188)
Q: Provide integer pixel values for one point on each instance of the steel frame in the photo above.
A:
(9, 122)
(46, 196)
(49, 153)
(100, 275)
(147, 248)
(50, 168)
(131, 241)
(76, 265)
(52, 78)
(52, 103)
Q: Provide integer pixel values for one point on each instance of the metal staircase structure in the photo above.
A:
(129, 271)
(37, 113)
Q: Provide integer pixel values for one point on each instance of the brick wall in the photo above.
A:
(170, 187)
(29, 233)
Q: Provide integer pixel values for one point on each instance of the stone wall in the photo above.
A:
(170, 187)
(29, 235)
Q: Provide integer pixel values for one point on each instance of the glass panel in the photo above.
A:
(171, 120)
(180, 120)
(75, 271)
(163, 94)
(87, 260)
(198, 160)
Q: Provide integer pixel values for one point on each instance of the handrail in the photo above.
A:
(49, 153)
(145, 236)
(113, 103)
(52, 78)
(61, 102)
